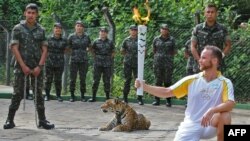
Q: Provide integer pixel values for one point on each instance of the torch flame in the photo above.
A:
(137, 16)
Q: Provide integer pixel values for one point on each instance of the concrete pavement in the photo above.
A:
(79, 121)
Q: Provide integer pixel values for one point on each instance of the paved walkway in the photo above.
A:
(79, 121)
(5, 89)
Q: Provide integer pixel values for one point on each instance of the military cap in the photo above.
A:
(79, 22)
(32, 6)
(164, 26)
(105, 29)
(57, 25)
(133, 27)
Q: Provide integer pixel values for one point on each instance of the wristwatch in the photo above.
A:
(40, 66)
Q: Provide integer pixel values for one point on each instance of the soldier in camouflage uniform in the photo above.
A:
(164, 50)
(129, 49)
(103, 52)
(210, 33)
(55, 62)
(79, 43)
(29, 45)
(192, 66)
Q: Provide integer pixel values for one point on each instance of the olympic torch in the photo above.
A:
(142, 31)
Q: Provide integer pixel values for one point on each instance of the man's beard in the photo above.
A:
(205, 67)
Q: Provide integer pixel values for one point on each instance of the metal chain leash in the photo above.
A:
(35, 101)
(24, 91)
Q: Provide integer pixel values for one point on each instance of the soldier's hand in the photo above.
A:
(36, 71)
(26, 70)
(139, 83)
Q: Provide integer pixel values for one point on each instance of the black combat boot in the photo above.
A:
(72, 98)
(125, 98)
(140, 101)
(107, 95)
(47, 96)
(93, 99)
(9, 124)
(156, 102)
(58, 96)
(168, 103)
(43, 123)
(83, 97)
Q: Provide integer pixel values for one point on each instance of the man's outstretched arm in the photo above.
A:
(155, 90)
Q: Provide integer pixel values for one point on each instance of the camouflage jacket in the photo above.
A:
(188, 48)
(164, 49)
(56, 48)
(103, 50)
(130, 46)
(30, 41)
(79, 45)
(216, 35)
(190, 61)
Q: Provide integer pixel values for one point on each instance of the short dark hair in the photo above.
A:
(164, 26)
(105, 29)
(216, 52)
(79, 22)
(212, 5)
(32, 6)
(133, 27)
(57, 25)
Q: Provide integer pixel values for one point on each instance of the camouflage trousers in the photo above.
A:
(18, 94)
(163, 77)
(106, 73)
(56, 74)
(129, 73)
(82, 68)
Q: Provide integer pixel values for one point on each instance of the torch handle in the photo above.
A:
(140, 74)
(142, 30)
